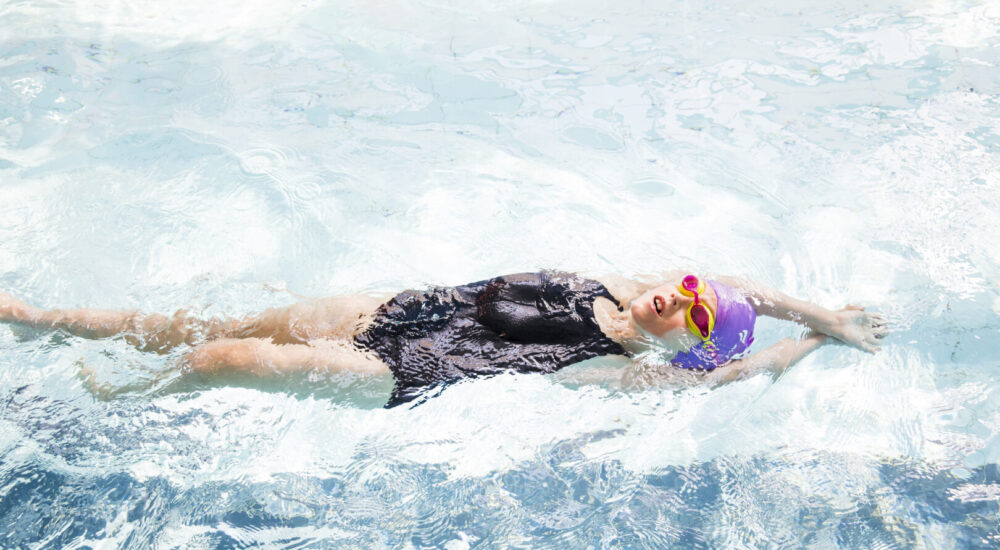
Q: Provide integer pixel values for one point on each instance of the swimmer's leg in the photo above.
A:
(335, 318)
(329, 318)
(263, 358)
(148, 332)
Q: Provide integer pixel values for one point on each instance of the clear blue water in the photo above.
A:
(227, 157)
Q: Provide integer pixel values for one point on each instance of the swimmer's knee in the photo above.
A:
(157, 333)
(184, 328)
(205, 359)
(198, 361)
(180, 328)
(224, 355)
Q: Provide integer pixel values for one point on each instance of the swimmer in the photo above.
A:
(528, 322)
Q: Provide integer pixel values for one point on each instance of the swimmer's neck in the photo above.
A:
(619, 326)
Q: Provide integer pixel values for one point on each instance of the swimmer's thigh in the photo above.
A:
(260, 357)
(339, 317)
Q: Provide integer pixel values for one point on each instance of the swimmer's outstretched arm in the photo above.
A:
(851, 325)
(776, 358)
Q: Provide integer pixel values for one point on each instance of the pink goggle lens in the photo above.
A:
(699, 314)
(690, 283)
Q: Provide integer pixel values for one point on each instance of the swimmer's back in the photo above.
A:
(526, 322)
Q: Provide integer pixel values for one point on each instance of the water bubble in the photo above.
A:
(203, 74)
(263, 160)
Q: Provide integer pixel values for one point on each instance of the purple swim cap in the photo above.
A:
(732, 335)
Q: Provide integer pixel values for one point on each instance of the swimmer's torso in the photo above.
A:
(528, 322)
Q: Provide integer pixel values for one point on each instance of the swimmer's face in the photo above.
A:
(661, 312)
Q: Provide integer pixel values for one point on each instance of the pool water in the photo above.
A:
(231, 156)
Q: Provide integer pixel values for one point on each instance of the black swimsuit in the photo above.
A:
(529, 322)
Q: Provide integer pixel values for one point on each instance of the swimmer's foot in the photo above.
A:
(13, 310)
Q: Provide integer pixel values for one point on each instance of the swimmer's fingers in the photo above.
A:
(873, 342)
(878, 326)
(870, 346)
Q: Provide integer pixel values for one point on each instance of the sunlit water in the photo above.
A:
(229, 156)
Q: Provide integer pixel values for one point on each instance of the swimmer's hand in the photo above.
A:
(850, 325)
(856, 327)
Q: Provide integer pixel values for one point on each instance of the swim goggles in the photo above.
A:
(699, 318)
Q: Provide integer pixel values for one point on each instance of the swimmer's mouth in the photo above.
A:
(658, 305)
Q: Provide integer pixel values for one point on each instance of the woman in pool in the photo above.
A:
(529, 322)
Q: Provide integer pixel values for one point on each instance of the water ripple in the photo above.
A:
(162, 156)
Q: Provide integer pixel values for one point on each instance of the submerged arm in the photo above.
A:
(852, 325)
(775, 358)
